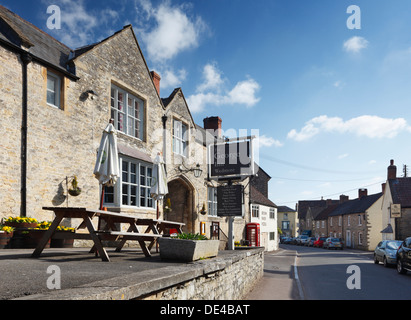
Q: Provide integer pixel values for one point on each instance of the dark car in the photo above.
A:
(319, 242)
(386, 252)
(404, 257)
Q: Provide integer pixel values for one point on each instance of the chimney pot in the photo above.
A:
(383, 187)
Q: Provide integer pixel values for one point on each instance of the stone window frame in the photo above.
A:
(59, 89)
(115, 111)
(115, 193)
(212, 201)
(181, 138)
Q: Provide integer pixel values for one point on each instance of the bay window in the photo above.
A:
(133, 186)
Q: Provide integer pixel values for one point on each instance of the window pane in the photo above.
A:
(51, 97)
(125, 171)
(143, 197)
(125, 194)
(137, 110)
(133, 196)
(51, 83)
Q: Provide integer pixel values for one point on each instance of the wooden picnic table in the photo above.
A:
(109, 232)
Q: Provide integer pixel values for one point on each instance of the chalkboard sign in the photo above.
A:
(230, 201)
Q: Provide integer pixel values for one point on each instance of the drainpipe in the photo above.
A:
(26, 59)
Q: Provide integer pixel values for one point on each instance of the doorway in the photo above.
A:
(182, 203)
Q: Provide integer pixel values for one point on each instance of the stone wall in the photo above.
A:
(227, 278)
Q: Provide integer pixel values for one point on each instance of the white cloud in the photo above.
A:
(264, 141)
(355, 44)
(367, 126)
(342, 156)
(173, 31)
(212, 78)
(171, 78)
(211, 91)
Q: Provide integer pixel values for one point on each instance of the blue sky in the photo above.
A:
(331, 103)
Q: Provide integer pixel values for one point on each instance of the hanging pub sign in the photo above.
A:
(395, 210)
(230, 201)
(231, 160)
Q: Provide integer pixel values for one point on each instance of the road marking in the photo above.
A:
(297, 279)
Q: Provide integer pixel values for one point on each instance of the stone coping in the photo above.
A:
(139, 284)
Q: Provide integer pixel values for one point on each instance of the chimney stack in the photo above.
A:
(214, 124)
(344, 198)
(156, 79)
(392, 171)
(362, 193)
(383, 187)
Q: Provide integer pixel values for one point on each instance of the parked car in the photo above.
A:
(386, 252)
(301, 240)
(286, 240)
(309, 242)
(319, 242)
(404, 257)
(333, 243)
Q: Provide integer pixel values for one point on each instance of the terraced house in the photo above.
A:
(55, 103)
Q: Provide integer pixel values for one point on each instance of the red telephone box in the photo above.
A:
(253, 234)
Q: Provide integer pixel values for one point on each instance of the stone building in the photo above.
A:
(396, 206)
(357, 221)
(287, 221)
(55, 103)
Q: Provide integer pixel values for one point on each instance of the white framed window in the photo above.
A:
(331, 221)
(339, 221)
(255, 211)
(272, 213)
(323, 224)
(318, 224)
(348, 220)
(360, 238)
(180, 138)
(212, 201)
(128, 112)
(133, 187)
(359, 220)
(53, 89)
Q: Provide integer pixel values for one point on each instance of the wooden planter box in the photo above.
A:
(5, 239)
(187, 250)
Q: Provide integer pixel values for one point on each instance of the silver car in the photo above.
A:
(386, 252)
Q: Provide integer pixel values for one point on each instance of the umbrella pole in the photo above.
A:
(158, 215)
(102, 198)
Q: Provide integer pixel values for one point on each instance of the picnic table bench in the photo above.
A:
(109, 232)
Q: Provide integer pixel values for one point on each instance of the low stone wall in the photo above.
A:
(230, 276)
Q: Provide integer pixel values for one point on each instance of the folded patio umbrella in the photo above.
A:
(159, 180)
(107, 169)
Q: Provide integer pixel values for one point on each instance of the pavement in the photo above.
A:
(280, 280)
(79, 275)
(22, 276)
